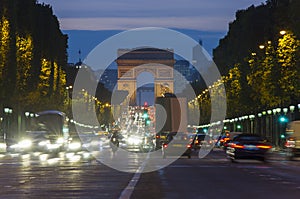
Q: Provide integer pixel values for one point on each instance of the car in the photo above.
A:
(248, 146)
(228, 137)
(292, 142)
(221, 140)
(177, 144)
(201, 140)
(160, 138)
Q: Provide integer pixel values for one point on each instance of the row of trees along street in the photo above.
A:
(32, 57)
(32, 60)
(259, 60)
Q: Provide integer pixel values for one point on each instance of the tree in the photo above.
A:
(288, 50)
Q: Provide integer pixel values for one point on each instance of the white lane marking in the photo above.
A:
(126, 193)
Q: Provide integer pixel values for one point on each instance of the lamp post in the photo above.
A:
(7, 112)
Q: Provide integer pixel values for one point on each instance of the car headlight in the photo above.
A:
(25, 144)
(2, 145)
(134, 141)
(74, 145)
(44, 143)
(60, 140)
(53, 146)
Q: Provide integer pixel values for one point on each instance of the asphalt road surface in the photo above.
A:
(27, 176)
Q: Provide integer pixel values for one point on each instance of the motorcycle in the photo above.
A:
(114, 143)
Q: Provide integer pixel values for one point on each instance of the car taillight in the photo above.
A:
(237, 146)
(290, 143)
(196, 142)
(221, 140)
(264, 146)
(157, 137)
(165, 145)
(189, 146)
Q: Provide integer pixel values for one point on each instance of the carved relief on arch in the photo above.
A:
(140, 70)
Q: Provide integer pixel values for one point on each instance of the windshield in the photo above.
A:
(48, 123)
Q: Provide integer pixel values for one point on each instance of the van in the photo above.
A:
(292, 143)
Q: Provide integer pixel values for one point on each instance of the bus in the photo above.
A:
(48, 132)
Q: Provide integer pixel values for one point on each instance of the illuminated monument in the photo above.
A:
(158, 62)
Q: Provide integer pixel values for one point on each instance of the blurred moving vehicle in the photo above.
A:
(228, 137)
(248, 146)
(221, 140)
(160, 138)
(292, 143)
(114, 141)
(178, 144)
(201, 140)
(49, 133)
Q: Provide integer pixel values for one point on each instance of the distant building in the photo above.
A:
(186, 70)
(109, 78)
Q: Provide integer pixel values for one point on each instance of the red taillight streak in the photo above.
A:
(237, 146)
(165, 145)
(264, 146)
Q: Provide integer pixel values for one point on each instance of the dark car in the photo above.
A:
(160, 138)
(177, 144)
(248, 146)
(221, 140)
(202, 140)
(228, 137)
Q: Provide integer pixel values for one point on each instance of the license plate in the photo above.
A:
(177, 145)
(250, 147)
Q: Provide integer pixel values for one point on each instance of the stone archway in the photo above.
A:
(158, 62)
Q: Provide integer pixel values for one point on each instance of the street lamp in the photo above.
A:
(292, 108)
(27, 114)
(259, 114)
(278, 110)
(282, 32)
(7, 112)
(269, 112)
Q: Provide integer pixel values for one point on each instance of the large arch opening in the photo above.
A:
(145, 89)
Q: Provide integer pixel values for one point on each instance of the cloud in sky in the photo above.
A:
(118, 23)
(212, 15)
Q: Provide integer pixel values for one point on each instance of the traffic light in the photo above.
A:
(147, 122)
(145, 115)
(283, 119)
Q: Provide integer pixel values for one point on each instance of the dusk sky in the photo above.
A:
(89, 22)
(205, 15)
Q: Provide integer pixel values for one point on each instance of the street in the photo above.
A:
(25, 176)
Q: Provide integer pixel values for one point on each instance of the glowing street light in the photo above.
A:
(282, 32)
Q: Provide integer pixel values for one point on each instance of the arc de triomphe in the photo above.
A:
(158, 62)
